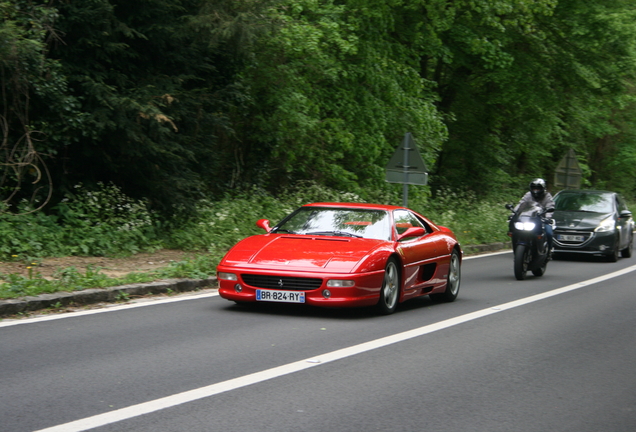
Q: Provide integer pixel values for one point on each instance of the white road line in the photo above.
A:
(236, 383)
(486, 254)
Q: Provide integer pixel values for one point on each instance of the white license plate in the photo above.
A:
(570, 237)
(280, 296)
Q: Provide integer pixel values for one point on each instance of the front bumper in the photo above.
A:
(593, 243)
(364, 292)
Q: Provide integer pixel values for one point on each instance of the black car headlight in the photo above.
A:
(606, 225)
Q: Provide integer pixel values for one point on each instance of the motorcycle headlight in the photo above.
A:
(606, 225)
(525, 226)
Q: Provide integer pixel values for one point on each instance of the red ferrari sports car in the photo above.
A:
(344, 255)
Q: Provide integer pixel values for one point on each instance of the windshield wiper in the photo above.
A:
(285, 231)
(334, 233)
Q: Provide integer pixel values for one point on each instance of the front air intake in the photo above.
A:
(282, 282)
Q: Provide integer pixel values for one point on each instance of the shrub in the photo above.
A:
(106, 222)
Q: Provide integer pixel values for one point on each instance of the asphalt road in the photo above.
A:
(554, 353)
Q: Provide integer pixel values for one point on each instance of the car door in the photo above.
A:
(419, 254)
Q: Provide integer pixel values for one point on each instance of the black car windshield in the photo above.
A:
(584, 201)
(346, 222)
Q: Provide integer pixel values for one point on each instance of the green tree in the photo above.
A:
(520, 82)
(175, 100)
(149, 95)
(28, 79)
(600, 120)
(333, 95)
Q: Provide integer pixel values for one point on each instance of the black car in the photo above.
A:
(592, 222)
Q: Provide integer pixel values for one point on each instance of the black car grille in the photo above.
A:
(282, 282)
(581, 237)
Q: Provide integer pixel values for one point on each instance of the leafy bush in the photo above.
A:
(105, 222)
(34, 234)
(219, 225)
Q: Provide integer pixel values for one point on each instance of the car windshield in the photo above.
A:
(346, 222)
(584, 201)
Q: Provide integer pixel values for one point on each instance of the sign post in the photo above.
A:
(568, 173)
(407, 167)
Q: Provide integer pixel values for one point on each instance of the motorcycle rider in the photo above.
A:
(539, 194)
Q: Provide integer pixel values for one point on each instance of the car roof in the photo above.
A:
(362, 206)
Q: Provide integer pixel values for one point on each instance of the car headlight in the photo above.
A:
(337, 283)
(606, 225)
(227, 276)
(525, 226)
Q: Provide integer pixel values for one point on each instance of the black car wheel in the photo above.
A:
(627, 252)
(454, 279)
(390, 291)
(613, 256)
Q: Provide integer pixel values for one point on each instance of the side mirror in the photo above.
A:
(626, 214)
(264, 224)
(549, 210)
(412, 232)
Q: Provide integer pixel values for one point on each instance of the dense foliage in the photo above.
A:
(105, 222)
(175, 101)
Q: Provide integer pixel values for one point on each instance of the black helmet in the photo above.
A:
(537, 188)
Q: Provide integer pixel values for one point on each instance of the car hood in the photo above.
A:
(301, 252)
(578, 220)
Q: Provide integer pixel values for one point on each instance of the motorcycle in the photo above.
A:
(529, 240)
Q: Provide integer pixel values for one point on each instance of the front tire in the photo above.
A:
(540, 271)
(454, 280)
(613, 256)
(627, 252)
(390, 291)
(522, 260)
